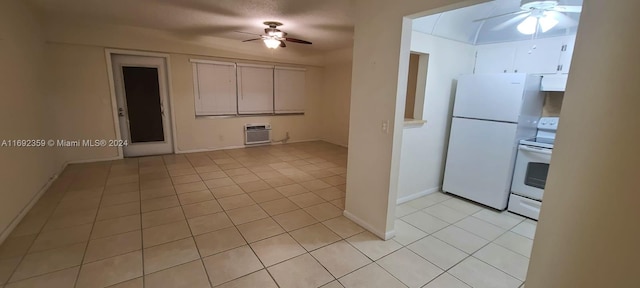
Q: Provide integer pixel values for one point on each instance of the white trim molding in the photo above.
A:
(408, 198)
(385, 235)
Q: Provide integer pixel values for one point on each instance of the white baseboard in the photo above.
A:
(386, 235)
(408, 198)
(16, 220)
(334, 143)
(239, 146)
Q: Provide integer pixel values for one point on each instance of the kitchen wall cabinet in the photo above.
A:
(539, 56)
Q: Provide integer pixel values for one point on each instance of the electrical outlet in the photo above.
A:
(385, 126)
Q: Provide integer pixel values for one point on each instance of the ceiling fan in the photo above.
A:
(537, 13)
(274, 37)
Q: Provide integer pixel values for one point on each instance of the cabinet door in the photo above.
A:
(567, 54)
(495, 58)
(540, 56)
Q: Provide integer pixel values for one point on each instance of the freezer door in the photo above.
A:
(480, 161)
(496, 97)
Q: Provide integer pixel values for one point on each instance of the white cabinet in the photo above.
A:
(539, 56)
(567, 54)
(495, 58)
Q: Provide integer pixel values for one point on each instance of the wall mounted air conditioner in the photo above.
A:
(257, 133)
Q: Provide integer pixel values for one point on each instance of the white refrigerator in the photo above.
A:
(492, 112)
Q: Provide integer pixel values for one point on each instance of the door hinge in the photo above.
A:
(564, 48)
(559, 68)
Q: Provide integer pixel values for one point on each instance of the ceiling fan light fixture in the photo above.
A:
(547, 22)
(271, 43)
(528, 26)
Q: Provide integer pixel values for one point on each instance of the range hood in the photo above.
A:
(556, 82)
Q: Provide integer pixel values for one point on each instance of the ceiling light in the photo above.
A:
(547, 22)
(271, 43)
(530, 25)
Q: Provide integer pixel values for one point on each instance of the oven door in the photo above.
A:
(530, 173)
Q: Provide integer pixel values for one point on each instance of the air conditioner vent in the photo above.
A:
(257, 133)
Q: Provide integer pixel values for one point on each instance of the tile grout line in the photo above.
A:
(92, 226)
(38, 234)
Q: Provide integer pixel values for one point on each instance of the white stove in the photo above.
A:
(531, 169)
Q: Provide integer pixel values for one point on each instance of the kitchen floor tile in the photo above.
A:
(314, 236)
(437, 252)
(195, 197)
(480, 228)
(277, 249)
(344, 227)
(425, 222)
(246, 214)
(406, 234)
(232, 264)
(323, 211)
(265, 195)
(505, 220)
(188, 275)
(209, 223)
(110, 271)
(279, 206)
(160, 217)
(516, 243)
(119, 244)
(49, 261)
(481, 275)
(169, 254)
(260, 229)
(219, 241)
(446, 281)
(294, 220)
(165, 233)
(445, 213)
(237, 201)
(461, 239)
(60, 279)
(504, 259)
(340, 258)
(201, 209)
(409, 268)
(300, 272)
(372, 246)
(371, 276)
(260, 279)
(526, 229)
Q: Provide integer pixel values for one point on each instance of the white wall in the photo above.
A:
(588, 232)
(24, 112)
(424, 146)
(336, 97)
(79, 83)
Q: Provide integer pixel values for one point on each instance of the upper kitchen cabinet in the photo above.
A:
(495, 58)
(539, 56)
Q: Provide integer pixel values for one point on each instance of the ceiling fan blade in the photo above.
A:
(252, 40)
(564, 19)
(568, 9)
(500, 15)
(255, 34)
(282, 44)
(510, 22)
(297, 40)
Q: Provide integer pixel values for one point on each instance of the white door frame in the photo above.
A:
(114, 103)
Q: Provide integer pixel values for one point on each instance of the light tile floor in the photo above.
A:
(256, 217)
